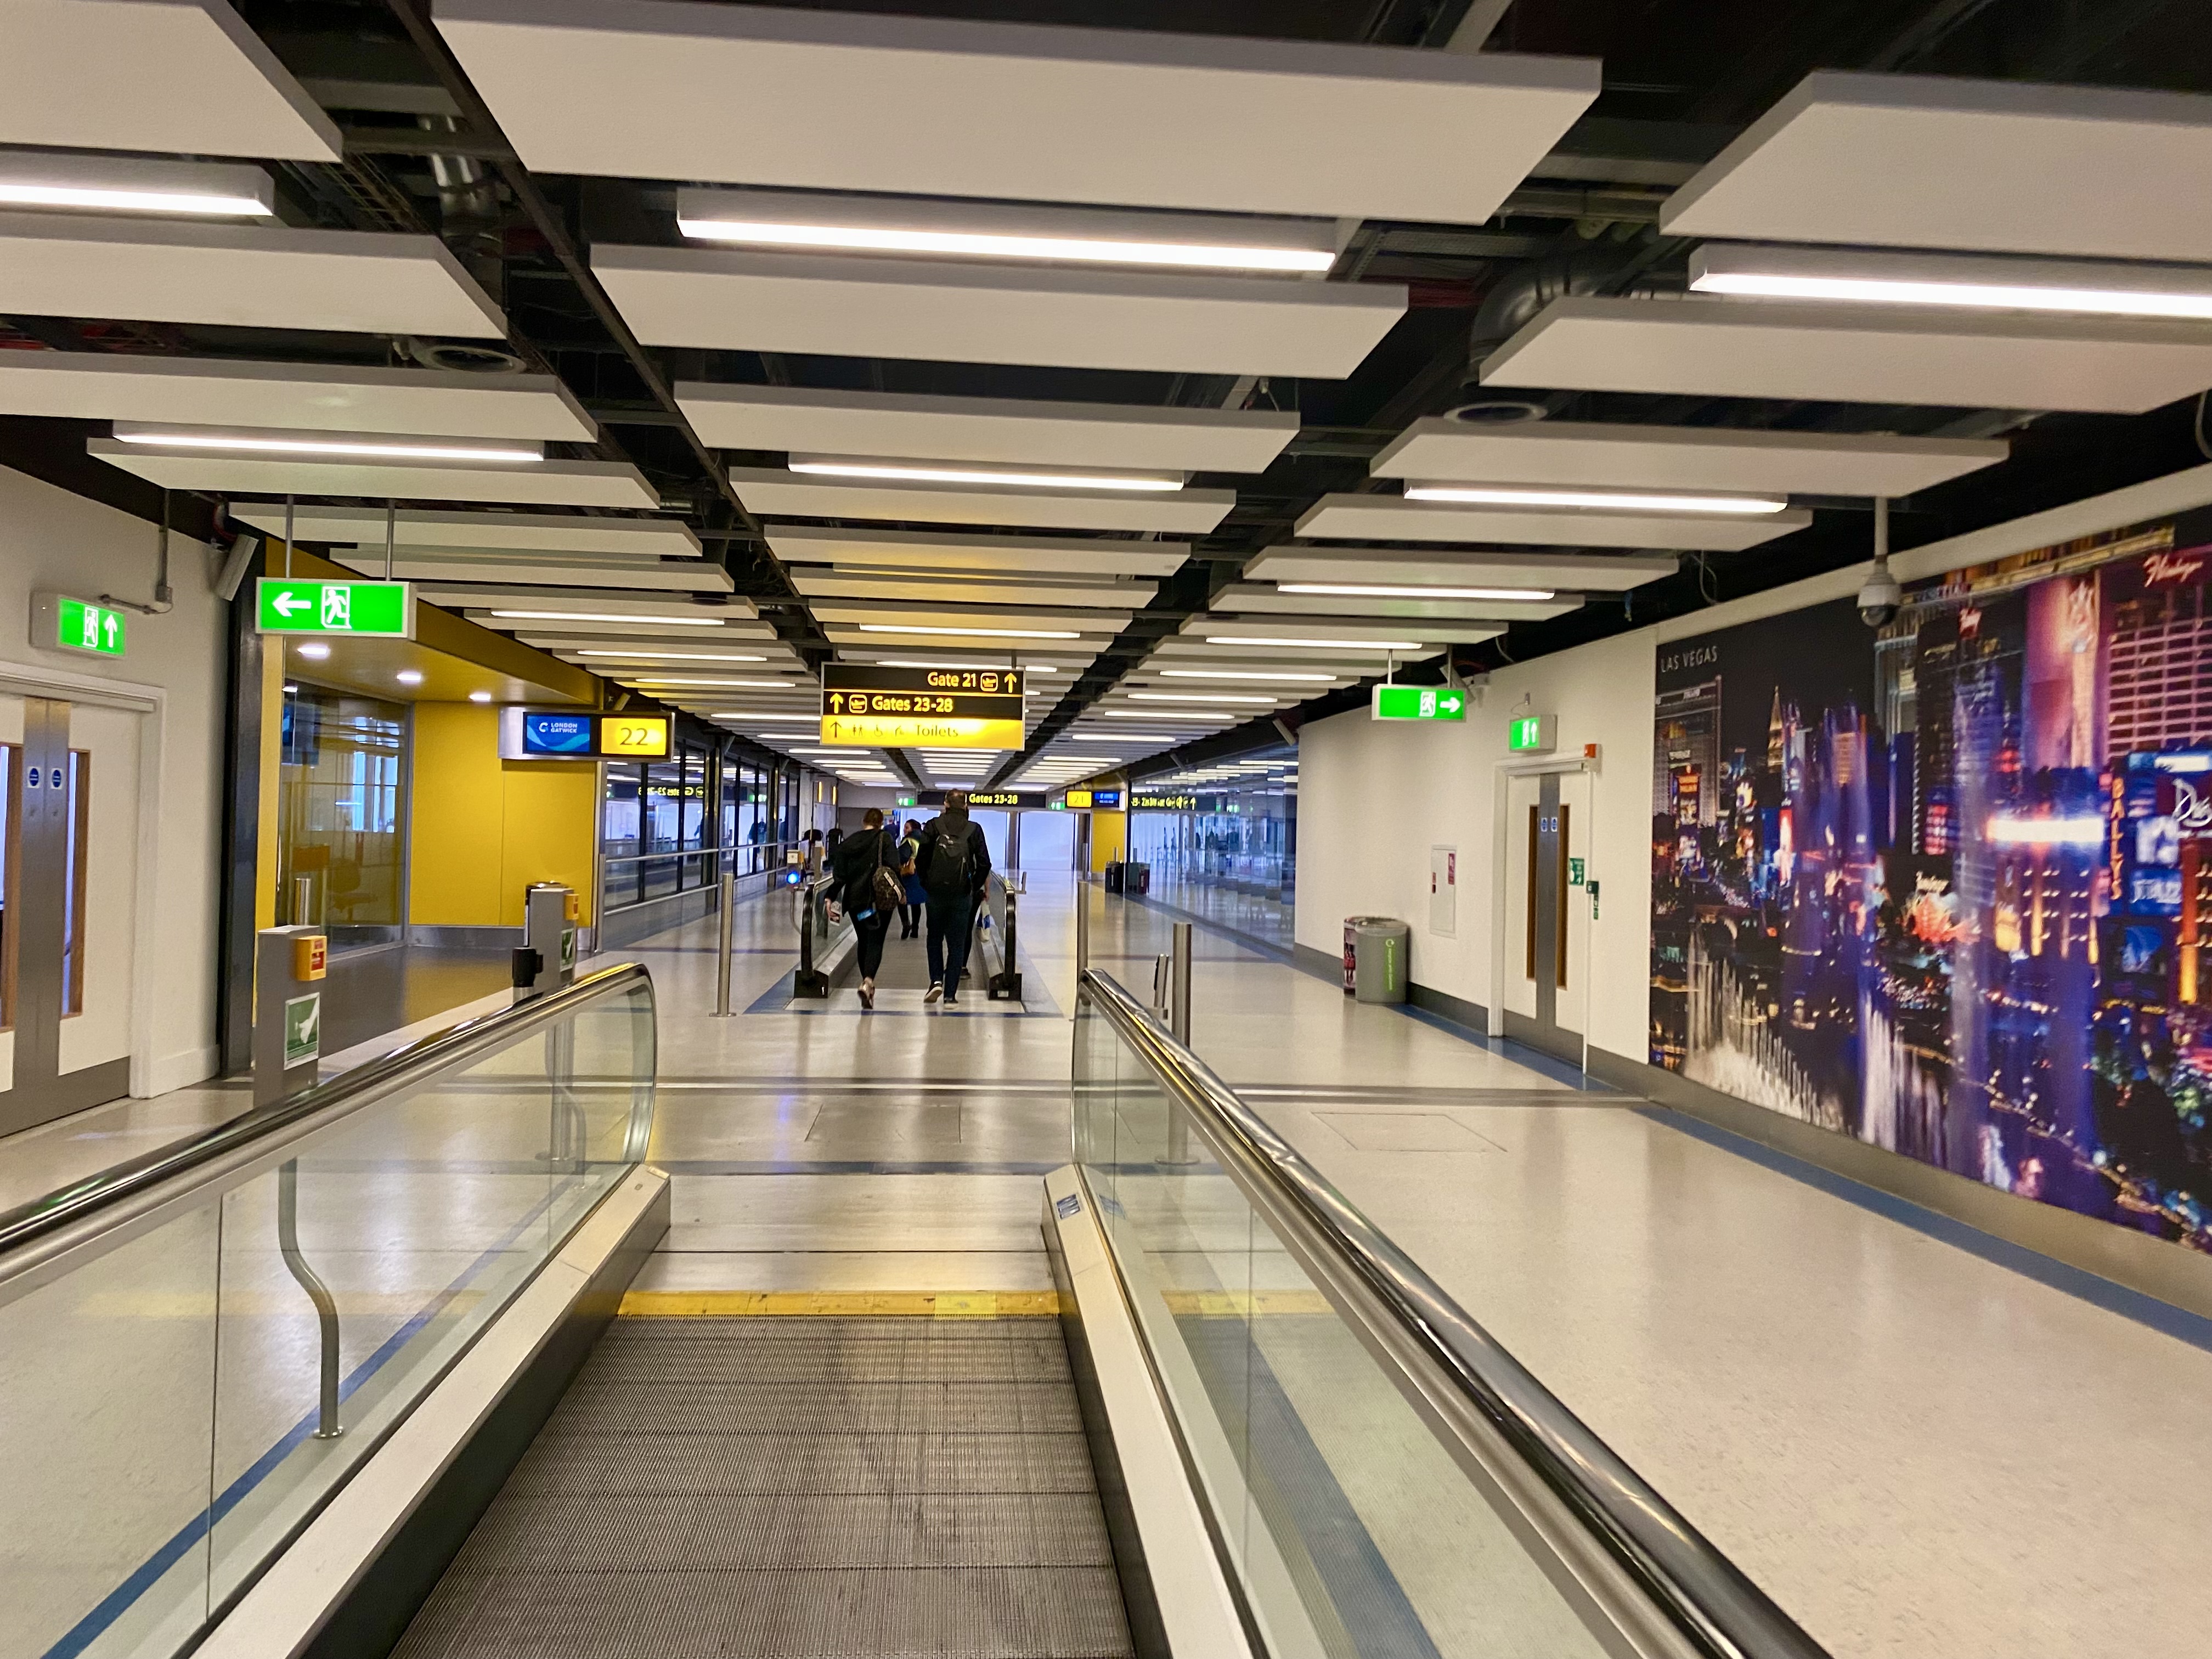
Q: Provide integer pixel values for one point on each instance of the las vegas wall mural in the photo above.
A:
(1947, 887)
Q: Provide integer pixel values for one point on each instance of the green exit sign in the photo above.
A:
(61, 623)
(1533, 734)
(1417, 702)
(906, 800)
(307, 605)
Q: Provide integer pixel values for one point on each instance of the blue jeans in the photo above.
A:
(951, 919)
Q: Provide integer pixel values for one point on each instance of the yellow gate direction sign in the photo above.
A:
(872, 706)
(921, 731)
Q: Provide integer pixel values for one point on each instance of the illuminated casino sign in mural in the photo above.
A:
(1948, 888)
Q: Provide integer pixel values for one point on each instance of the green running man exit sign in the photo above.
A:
(309, 605)
(61, 623)
(1417, 702)
(1533, 734)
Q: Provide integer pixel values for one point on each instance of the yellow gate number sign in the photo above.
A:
(641, 735)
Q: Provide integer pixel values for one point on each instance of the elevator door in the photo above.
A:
(66, 915)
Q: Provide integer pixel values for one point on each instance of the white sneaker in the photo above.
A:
(934, 991)
(868, 993)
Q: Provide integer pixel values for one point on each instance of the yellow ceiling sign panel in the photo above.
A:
(920, 731)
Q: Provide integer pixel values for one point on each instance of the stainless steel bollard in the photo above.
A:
(729, 901)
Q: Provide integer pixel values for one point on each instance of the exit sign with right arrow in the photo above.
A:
(1418, 702)
(309, 605)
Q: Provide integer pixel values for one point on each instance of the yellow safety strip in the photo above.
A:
(839, 1304)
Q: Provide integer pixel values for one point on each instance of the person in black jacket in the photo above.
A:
(854, 863)
(954, 864)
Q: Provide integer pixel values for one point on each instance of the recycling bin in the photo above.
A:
(1375, 957)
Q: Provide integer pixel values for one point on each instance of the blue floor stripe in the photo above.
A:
(150, 1571)
(2162, 1316)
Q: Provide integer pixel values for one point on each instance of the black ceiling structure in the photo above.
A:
(424, 154)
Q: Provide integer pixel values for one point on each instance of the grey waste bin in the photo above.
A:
(1378, 951)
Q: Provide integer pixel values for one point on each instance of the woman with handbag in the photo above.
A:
(865, 865)
(909, 849)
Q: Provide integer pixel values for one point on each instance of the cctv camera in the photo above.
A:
(1880, 597)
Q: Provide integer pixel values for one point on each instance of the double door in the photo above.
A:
(1548, 913)
(69, 827)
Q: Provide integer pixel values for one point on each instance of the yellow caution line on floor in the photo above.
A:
(839, 1304)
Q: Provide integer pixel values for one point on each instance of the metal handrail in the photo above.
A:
(33, 1234)
(729, 852)
(1702, 1593)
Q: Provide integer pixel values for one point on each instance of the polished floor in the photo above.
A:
(1916, 1451)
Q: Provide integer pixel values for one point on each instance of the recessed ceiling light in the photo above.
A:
(743, 685)
(1618, 500)
(479, 697)
(674, 656)
(996, 476)
(344, 445)
(1369, 646)
(862, 224)
(1200, 696)
(972, 633)
(1239, 674)
(2081, 288)
(115, 184)
(409, 677)
(1162, 716)
(606, 617)
(289, 690)
(313, 650)
(1351, 591)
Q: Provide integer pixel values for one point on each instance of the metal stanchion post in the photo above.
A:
(729, 901)
(1082, 926)
(1179, 1027)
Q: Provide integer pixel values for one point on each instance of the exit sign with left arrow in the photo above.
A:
(1418, 702)
(309, 605)
(61, 623)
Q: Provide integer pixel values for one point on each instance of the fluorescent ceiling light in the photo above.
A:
(835, 467)
(115, 184)
(1622, 501)
(674, 656)
(1200, 696)
(1371, 646)
(890, 662)
(972, 633)
(1160, 716)
(410, 676)
(479, 697)
(606, 617)
(312, 650)
(362, 445)
(745, 686)
(2079, 288)
(864, 224)
(1239, 674)
(1355, 590)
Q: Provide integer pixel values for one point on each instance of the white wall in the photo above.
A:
(52, 541)
(1374, 797)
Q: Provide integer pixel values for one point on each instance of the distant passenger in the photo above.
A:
(836, 835)
(954, 864)
(866, 866)
(909, 852)
(814, 853)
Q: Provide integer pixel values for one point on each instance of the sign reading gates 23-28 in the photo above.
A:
(310, 604)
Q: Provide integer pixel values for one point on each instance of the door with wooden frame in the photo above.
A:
(1549, 823)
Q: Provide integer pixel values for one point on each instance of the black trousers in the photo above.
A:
(871, 931)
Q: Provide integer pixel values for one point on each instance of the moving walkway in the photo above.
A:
(354, 1375)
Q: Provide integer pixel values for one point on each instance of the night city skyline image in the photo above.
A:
(1948, 887)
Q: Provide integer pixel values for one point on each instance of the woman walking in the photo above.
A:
(866, 866)
(910, 851)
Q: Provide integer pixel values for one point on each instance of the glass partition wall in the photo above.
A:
(672, 826)
(342, 816)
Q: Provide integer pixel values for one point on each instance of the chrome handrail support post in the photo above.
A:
(728, 897)
(1178, 1023)
(327, 1426)
(1082, 929)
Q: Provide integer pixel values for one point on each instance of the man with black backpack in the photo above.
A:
(954, 864)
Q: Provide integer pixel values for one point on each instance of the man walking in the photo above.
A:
(954, 864)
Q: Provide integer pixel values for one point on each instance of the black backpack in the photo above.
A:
(945, 859)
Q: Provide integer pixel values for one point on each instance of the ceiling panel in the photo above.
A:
(1249, 597)
(147, 269)
(1593, 573)
(1380, 634)
(184, 77)
(776, 493)
(720, 612)
(418, 565)
(1084, 621)
(498, 610)
(1918, 160)
(88, 385)
(612, 644)
(848, 547)
(1390, 518)
(1441, 449)
(1843, 353)
(931, 107)
(539, 483)
(1005, 430)
(950, 312)
(552, 532)
(876, 585)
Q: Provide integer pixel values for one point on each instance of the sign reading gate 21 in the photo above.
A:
(309, 605)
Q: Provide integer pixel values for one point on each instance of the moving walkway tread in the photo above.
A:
(771, 1486)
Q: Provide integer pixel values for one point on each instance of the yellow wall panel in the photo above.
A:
(1110, 839)
(548, 823)
(457, 816)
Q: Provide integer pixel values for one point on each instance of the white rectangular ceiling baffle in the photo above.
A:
(541, 484)
(545, 570)
(415, 526)
(1856, 354)
(934, 107)
(815, 584)
(1085, 621)
(155, 270)
(1257, 598)
(848, 547)
(954, 311)
(85, 386)
(494, 609)
(1923, 160)
(177, 77)
(1137, 437)
(1610, 454)
(1359, 630)
(1390, 518)
(1587, 572)
(806, 495)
